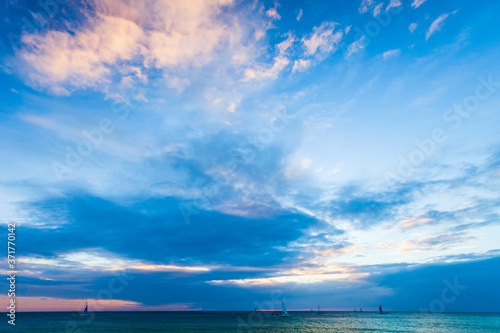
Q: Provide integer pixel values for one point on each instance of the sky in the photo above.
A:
(200, 154)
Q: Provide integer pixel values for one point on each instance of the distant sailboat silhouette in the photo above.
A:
(319, 311)
(85, 312)
(360, 310)
(380, 310)
(283, 313)
(283, 308)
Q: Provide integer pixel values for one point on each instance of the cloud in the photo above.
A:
(393, 4)
(177, 83)
(261, 72)
(232, 107)
(416, 221)
(322, 40)
(365, 5)
(168, 232)
(437, 24)
(54, 304)
(299, 16)
(412, 27)
(96, 259)
(431, 243)
(297, 276)
(377, 9)
(420, 287)
(301, 65)
(356, 46)
(280, 62)
(273, 12)
(417, 3)
(152, 34)
(391, 53)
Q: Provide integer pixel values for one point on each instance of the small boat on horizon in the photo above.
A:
(283, 312)
(380, 310)
(319, 311)
(85, 312)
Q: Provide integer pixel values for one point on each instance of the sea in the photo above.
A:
(206, 321)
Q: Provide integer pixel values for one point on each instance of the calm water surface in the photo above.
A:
(254, 322)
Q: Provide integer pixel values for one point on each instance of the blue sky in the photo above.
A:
(218, 153)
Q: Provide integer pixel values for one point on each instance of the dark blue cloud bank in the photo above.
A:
(154, 231)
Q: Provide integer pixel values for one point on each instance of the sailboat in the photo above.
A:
(284, 313)
(85, 312)
(319, 311)
(360, 310)
(380, 310)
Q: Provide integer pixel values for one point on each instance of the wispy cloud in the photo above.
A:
(366, 5)
(431, 243)
(280, 62)
(417, 3)
(299, 276)
(377, 9)
(273, 12)
(391, 53)
(301, 65)
(299, 16)
(323, 39)
(356, 46)
(412, 27)
(393, 4)
(437, 24)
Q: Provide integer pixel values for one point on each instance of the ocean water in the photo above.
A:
(202, 321)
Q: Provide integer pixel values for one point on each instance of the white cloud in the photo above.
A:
(417, 3)
(437, 24)
(393, 3)
(391, 53)
(365, 5)
(96, 259)
(356, 46)
(259, 73)
(177, 83)
(412, 27)
(323, 39)
(301, 65)
(279, 62)
(377, 9)
(159, 34)
(232, 107)
(273, 12)
(285, 45)
(300, 15)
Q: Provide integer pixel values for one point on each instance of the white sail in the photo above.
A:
(283, 308)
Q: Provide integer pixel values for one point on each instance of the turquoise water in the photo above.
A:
(254, 322)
